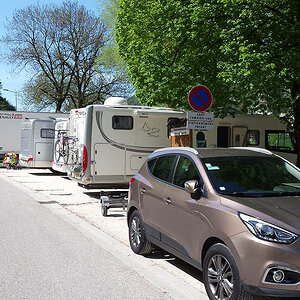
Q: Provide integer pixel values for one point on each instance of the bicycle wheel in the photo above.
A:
(57, 151)
(66, 151)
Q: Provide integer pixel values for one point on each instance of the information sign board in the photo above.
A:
(200, 121)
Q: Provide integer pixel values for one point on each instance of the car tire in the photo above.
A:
(137, 236)
(221, 276)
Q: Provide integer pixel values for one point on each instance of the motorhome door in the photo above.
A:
(223, 136)
(239, 136)
(43, 141)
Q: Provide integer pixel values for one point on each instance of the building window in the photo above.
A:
(122, 122)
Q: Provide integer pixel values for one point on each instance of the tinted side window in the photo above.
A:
(163, 167)
(151, 164)
(122, 122)
(185, 170)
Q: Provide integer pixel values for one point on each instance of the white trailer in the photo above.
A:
(37, 143)
(10, 128)
(114, 141)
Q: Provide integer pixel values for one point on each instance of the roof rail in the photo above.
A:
(194, 151)
(256, 149)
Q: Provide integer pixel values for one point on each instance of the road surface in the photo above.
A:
(44, 257)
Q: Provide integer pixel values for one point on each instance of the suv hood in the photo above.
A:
(285, 209)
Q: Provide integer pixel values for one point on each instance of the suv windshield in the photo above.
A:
(252, 176)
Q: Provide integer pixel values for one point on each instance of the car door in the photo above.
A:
(185, 222)
(151, 188)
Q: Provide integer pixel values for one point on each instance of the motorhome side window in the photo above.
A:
(253, 137)
(277, 140)
(122, 122)
(47, 133)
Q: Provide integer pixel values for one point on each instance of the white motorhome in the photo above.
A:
(263, 131)
(61, 146)
(37, 138)
(10, 128)
(114, 141)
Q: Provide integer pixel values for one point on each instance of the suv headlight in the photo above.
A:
(267, 231)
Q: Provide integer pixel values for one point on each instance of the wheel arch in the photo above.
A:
(129, 213)
(209, 243)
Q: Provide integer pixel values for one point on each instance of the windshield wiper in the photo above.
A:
(242, 194)
(286, 194)
(260, 195)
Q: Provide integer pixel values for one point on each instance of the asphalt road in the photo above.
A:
(44, 257)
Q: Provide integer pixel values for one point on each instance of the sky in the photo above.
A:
(9, 79)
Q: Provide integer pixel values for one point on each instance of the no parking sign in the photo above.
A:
(200, 98)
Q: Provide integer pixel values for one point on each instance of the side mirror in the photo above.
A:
(191, 187)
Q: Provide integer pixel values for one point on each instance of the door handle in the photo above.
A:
(167, 200)
(142, 191)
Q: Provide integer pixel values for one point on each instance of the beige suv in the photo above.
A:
(233, 213)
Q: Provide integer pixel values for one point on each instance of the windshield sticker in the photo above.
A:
(211, 168)
(222, 188)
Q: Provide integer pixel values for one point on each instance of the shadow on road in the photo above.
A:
(95, 195)
(44, 174)
(175, 261)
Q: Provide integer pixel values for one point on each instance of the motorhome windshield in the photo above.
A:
(252, 176)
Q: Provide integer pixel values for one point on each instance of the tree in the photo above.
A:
(4, 104)
(60, 44)
(110, 54)
(246, 52)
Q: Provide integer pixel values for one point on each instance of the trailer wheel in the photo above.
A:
(104, 209)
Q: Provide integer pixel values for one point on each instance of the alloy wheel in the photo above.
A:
(220, 277)
(135, 232)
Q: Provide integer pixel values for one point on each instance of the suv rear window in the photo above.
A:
(150, 164)
(163, 167)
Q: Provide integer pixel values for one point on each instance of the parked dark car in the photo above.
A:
(233, 213)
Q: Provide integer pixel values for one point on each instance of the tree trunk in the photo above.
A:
(295, 96)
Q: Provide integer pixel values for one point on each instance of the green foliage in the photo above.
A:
(169, 48)
(4, 104)
(246, 52)
(110, 57)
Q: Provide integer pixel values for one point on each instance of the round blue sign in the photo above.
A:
(200, 98)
